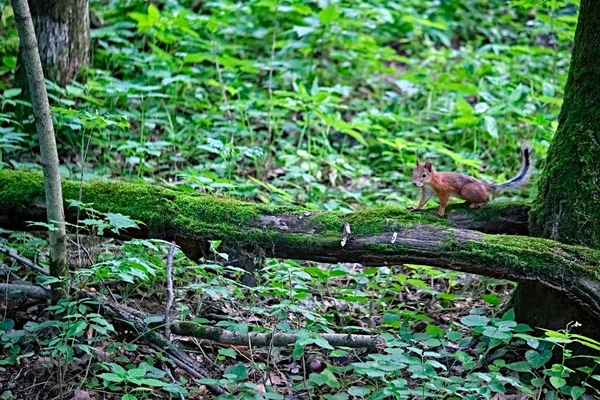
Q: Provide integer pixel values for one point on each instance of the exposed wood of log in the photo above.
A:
(384, 236)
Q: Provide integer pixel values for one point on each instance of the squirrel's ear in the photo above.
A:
(428, 165)
(418, 163)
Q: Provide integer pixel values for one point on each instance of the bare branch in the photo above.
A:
(170, 294)
(22, 260)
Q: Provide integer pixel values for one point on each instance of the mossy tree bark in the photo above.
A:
(567, 208)
(62, 28)
(53, 199)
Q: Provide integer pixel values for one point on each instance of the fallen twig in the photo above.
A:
(155, 339)
(24, 261)
(170, 294)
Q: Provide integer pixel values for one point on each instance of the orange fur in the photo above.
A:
(474, 192)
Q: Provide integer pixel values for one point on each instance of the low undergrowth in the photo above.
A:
(447, 335)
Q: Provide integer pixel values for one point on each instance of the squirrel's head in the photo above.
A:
(422, 173)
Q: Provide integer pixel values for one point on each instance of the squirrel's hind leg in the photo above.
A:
(475, 194)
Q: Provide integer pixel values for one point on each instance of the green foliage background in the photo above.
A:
(318, 103)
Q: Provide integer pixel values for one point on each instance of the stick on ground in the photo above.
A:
(170, 294)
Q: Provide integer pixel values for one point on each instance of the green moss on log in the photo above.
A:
(491, 211)
(158, 208)
(165, 210)
(374, 221)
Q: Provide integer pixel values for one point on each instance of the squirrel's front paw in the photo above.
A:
(412, 208)
(440, 214)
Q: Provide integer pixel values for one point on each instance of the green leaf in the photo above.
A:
(128, 397)
(136, 372)
(537, 382)
(153, 14)
(303, 30)
(463, 107)
(176, 388)
(120, 221)
(328, 15)
(298, 350)
(110, 377)
(509, 315)
(212, 25)
(434, 331)
(337, 396)
(538, 359)
(319, 341)
(9, 93)
(465, 121)
(557, 381)
(153, 382)
(496, 333)
(9, 62)
(577, 392)
(475, 320)
(338, 353)
(237, 372)
(358, 391)
(116, 368)
(497, 386)
(76, 329)
(520, 366)
(454, 335)
(7, 394)
(196, 58)
(491, 126)
(325, 378)
(7, 324)
(228, 352)
(491, 299)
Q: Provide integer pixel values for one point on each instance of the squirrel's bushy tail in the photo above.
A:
(522, 177)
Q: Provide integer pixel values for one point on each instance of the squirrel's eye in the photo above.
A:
(424, 175)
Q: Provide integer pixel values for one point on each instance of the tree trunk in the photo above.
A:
(62, 28)
(53, 199)
(567, 208)
(385, 236)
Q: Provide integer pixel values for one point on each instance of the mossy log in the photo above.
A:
(384, 236)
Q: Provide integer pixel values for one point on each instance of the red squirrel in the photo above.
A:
(476, 193)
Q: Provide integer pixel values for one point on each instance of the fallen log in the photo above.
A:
(138, 319)
(257, 339)
(384, 236)
(16, 291)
